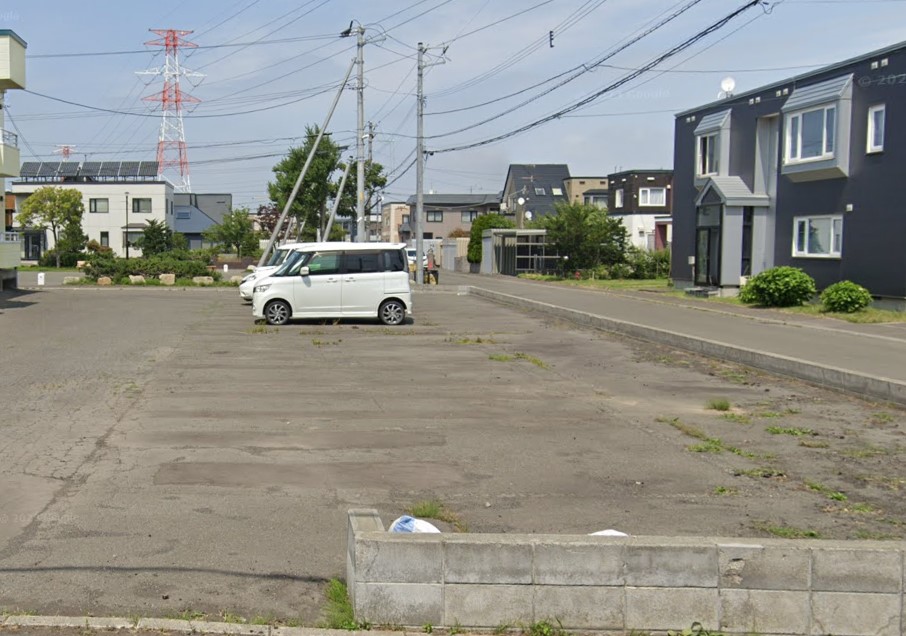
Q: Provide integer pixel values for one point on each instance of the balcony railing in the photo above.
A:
(8, 138)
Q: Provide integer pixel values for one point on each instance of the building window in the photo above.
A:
(557, 192)
(468, 217)
(810, 134)
(98, 206)
(405, 218)
(618, 198)
(707, 161)
(597, 200)
(434, 216)
(539, 191)
(653, 197)
(105, 239)
(141, 206)
(876, 128)
(818, 236)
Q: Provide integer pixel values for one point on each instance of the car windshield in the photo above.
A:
(277, 257)
(293, 263)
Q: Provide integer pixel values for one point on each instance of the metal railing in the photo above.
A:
(9, 139)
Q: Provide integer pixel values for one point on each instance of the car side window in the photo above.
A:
(324, 264)
(393, 261)
(363, 262)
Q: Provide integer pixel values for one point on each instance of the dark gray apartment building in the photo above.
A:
(804, 172)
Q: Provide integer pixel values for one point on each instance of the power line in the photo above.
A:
(615, 85)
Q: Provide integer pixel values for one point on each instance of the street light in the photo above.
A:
(127, 225)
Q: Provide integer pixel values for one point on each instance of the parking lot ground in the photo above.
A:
(161, 453)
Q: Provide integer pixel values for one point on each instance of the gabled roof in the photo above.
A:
(457, 200)
(733, 192)
(712, 122)
(190, 220)
(813, 94)
(525, 178)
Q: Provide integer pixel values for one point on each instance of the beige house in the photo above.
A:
(393, 215)
(590, 190)
(445, 213)
(12, 77)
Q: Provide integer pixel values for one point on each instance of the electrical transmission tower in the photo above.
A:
(171, 143)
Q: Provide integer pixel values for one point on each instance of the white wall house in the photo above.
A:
(12, 77)
(116, 209)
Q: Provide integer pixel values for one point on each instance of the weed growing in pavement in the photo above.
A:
(697, 629)
(340, 614)
(502, 628)
(719, 404)
(787, 532)
(794, 431)
(813, 443)
(869, 535)
(428, 628)
(6, 612)
(881, 417)
(761, 472)
(739, 418)
(235, 619)
(470, 341)
(262, 329)
(434, 509)
(867, 452)
(532, 359)
(824, 490)
(725, 491)
(188, 615)
(325, 343)
(544, 628)
(456, 628)
(500, 357)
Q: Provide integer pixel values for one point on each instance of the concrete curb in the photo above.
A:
(862, 385)
(176, 625)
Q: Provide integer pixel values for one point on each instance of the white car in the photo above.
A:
(247, 286)
(337, 280)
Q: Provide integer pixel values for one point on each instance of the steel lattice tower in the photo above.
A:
(171, 143)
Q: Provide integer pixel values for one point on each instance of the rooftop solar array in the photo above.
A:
(54, 170)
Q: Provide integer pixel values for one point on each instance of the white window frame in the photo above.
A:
(645, 197)
(702, 170)
(618, 198)
(835, 248)
(539, 191)
(792, 148)
(557, 192)
(870, 146)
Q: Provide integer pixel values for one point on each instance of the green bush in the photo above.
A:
(845, 297)
(779, 287)
(67, 259)
(646, 264)
(119, 268)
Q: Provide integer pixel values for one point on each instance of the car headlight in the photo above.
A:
(248, 277)
(262, 288)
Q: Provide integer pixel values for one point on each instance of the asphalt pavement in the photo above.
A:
(786, 342)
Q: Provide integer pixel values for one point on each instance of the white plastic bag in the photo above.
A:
(608, 533)
(411, 524)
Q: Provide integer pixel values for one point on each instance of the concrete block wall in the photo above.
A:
(619, 584)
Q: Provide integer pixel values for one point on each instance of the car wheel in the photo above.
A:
(392, 312)
(277, 312)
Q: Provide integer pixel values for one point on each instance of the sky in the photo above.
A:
(272, 67)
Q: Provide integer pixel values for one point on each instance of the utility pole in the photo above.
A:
(360, 139)
(420, 168)
(420, 163)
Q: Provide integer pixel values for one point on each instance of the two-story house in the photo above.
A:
(12, 77)
(532, 190)
(447, 212)
(587, 190)
(643, 200)
(803, 172)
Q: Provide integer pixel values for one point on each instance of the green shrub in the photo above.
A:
(646, 264)
(119, 268)
(67, 259)
(845, 297)
(779, 287)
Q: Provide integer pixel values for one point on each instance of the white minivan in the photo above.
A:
(337, 280)
(271, 265)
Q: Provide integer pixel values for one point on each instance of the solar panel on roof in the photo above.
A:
(48, 169)
(148, 169)
(30, 169)
(90, 168)
(109, 169)
(69, 168)
(129, 168)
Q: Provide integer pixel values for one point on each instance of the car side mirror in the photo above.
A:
(303, 271)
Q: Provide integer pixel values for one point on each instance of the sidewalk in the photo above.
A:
(868, 360)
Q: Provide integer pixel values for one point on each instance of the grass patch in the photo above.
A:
(776, 414)
(604, 284)
(881, 417)
(339, 609)
(762, 472)
(793, 431)
(787, 532)
(814, 443)
(708, 445)
(725, 491)
(739, 418)
(718, 405)
(528, 358)
(434, 509)
(544, 628)
(234, 619)
(188, 615)
(472, 341)
(870, 535)
(682, 427)
(262, 329)
(831, 494)
(500, 357)
(866, 316)
(325, 343)
(866, 452)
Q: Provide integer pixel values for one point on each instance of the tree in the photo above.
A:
(156, 238)
(586, 235)
(236, 230)
(59, 210)
(268, 215)
(479, 225)
(320, 185)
